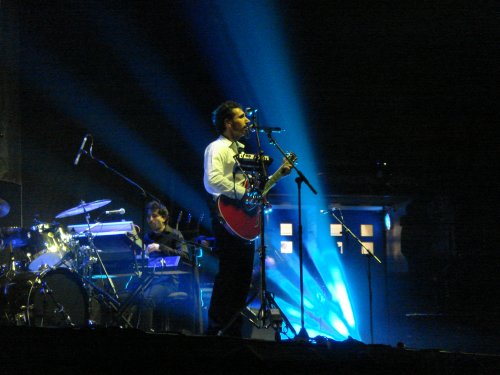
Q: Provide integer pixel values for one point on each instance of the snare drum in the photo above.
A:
(52, 246)
(51, 298)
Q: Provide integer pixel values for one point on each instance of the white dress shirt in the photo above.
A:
(221, 176)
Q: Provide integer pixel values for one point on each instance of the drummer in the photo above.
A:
(163, 305)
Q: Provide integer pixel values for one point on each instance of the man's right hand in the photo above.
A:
(153, 247)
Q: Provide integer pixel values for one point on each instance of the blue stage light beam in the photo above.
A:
(150, 72)
(327, 305)
(246, 45)
(81, 104)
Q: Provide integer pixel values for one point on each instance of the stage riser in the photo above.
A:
(47, 351)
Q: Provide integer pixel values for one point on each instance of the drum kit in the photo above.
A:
(46, 274)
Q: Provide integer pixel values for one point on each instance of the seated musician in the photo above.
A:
(163, 307)
(163, 240)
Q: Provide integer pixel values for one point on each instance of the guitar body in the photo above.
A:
(243, 220)
(238, 219)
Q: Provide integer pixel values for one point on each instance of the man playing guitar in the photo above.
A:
(223, 179)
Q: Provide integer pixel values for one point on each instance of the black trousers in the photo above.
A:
(232, 282)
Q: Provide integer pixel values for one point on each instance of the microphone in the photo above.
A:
(323, 212)
(121, 211)
(80, 151)
(250, 128)
(251, 113)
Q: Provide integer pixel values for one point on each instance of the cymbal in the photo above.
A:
(83, 207)
(4, 208)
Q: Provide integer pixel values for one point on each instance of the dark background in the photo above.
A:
(408, 84)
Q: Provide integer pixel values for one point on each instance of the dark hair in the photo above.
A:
(157, 206)
(222, 113)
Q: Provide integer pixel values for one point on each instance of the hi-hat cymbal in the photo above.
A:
(83, 207)
(4, 208)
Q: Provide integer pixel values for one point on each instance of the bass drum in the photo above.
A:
(51, 298)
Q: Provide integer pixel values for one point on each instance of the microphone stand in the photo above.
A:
(145, 195)
(267, 302)
(302, 335)
(195, 276)
(370, 255)
(196, 282)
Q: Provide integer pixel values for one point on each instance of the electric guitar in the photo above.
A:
(242, 217)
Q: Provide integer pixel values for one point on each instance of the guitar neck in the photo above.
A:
(292, 158)
(273, 180)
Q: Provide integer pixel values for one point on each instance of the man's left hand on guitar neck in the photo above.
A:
(286, 169)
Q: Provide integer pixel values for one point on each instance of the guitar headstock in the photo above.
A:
(291, 157)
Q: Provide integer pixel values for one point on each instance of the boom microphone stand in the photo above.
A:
(303, 335)
(145, 195)
(268, 306)
(370, 255)
(267, 302)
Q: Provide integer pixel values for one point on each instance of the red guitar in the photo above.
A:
(242, 218)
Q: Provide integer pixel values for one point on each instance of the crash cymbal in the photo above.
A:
(83, 207)
(4, 208)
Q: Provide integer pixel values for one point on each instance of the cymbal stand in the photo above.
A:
(302, 335)
(145, 195)
(95, 251)
(11, 272)
(111, 301)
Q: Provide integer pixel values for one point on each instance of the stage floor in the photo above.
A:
(115, 350)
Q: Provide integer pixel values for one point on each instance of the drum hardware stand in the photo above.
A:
(60, 308)
(144, 194)
(85, 274)
(109, 301)
(369, 257)
(144, 284)
(146, 280)
(96, 253)
(302, 335)
(268, 306)
(11, 272)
